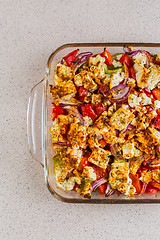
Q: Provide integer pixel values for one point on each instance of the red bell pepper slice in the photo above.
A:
(83, 92)
(107, 56)
(65, 129)
(132, 73)
(136, 183)
(69, 58)
(156, 93)
(102, 188)
(57, 110)
(152, 188)
(88, 111)
(155, 185)
(158, 112)
(100, 172)
(150, 95)
(84, 162)
(98, 108)
(76, 186)
(127, 59)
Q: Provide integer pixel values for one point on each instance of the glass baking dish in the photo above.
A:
(39, 122)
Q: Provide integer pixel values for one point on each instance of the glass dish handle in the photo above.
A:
(35, 121)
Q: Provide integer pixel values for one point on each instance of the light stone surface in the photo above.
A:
(30, 31)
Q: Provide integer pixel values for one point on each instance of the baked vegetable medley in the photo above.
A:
(106, 122)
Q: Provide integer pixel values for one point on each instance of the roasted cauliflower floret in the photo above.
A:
(89, 173)
(64, 119)
(64, 72)
(55, 131)
(147, 78)
(85, 79)
(129, 150)
(116, 78)
(77, 135)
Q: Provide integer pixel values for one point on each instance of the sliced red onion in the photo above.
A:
(147, 54)
(79, 56)
(118, 193)
(74, 111)
(144, 188)
(97, 183)
(104, 90)
(128, 49)
(109, 190)
(79, 63)
(120, 93)
(108, 168)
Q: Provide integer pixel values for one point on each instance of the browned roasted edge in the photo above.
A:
(99, 201)
(100, 45)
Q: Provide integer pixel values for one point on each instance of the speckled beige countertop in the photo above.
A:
(31, 30)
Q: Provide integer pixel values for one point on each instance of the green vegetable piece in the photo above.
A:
(56, 160)
(116, 70)
(114, 56)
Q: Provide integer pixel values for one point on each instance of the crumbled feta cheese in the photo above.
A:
(87, 121)
(141, 58)
(95, 60)
(145, 100)
(157, 104)
(130, 151)
(116, 64)
(133, 100)
(125, 106)
(88, 172)
(116, 79)
(147, 77)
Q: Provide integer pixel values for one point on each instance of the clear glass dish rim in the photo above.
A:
(89, 201)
